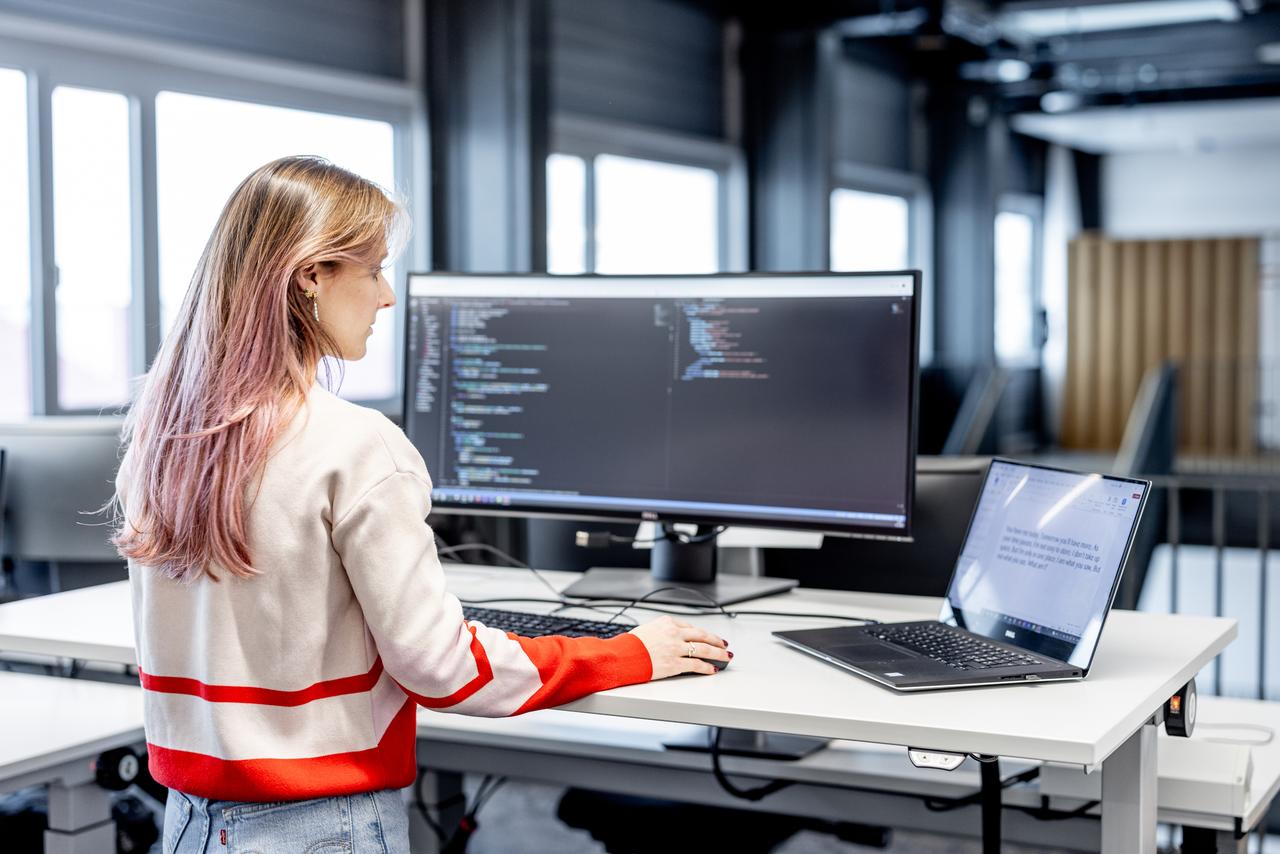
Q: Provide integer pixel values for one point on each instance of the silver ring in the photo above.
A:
(689, 654)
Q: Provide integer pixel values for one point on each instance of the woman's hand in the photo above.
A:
(677, 647)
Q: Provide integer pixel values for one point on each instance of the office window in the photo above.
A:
(15, 249)
(206, 146)
(654, 217)
(92, 246)
(869, 231)
(613, 214)
(1015, 288)
(566, 214)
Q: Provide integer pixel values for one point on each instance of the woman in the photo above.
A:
(289, 606)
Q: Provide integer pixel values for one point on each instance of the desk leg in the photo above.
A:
(1129, 795)
(437, 787)
(79, 820)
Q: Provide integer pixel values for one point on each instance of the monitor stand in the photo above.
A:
(682, 571)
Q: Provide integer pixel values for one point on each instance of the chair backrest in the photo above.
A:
(946, 491)
(1150, 442)
(1149, 448)
(977, 412)
(57, 472)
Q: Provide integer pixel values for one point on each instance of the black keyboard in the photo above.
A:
(958, 650)
(541, 625)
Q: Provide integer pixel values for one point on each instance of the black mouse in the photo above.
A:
(720, 665)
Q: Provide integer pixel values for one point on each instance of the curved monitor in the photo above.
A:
(752, 399)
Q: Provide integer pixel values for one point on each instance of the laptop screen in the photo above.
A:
(1042, 558)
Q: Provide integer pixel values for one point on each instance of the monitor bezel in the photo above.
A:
(587, 512)
(947, 614)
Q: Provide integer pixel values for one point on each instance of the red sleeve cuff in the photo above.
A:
(572, 668)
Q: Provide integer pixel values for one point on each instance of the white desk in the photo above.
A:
(1105, 720)
(52, 730)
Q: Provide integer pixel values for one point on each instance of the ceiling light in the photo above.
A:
(996, 70)
(1043, 23)
(1059, 101)
(1012, 70)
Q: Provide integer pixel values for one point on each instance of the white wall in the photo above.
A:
(1233, 191)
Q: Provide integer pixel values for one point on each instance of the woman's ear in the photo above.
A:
(308, 277)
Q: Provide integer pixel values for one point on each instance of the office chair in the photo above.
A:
(970, 431)
(1148, 449)
(946, 491)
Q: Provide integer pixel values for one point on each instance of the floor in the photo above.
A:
(520, 819)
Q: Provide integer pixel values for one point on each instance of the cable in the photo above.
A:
(1045, 813)
(485, 547)
(949, 804)
(758, 793)
(423, 807)
(678, 611)
(692, 610)
(1269, 734)
(635, 602)
(864, 620)
(469, 824)
(600, 539)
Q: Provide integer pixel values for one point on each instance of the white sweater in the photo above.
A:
(302, 681)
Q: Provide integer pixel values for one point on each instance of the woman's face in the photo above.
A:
(349, 297)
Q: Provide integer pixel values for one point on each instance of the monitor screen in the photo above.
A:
(780, 400)
(1042, 558)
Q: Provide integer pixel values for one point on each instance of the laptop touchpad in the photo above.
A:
(866, 653)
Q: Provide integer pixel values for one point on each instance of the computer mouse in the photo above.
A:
(719, 665)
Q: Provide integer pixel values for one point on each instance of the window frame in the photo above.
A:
(862, 177)
(1031, 206)
(589, 138)
(53, 55)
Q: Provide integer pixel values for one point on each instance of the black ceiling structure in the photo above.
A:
(944, 40)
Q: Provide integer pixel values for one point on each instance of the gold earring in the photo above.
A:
(315, 303)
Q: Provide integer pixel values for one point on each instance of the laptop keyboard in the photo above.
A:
(541, 625)
(960, 651)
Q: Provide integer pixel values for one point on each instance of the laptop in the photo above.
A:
(1029, 594)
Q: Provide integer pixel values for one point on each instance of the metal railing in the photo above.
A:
(1233, 497)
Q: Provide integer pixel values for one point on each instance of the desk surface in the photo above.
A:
(49, 721)
(1142, 659)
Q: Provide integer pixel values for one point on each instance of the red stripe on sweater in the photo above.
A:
(571, 668)
(484, 675)
(390, 765)
(263, 696)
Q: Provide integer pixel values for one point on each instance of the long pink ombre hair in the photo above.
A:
(242, 356)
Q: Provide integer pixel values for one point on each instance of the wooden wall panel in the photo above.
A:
(1222, 369)
(1135, 304)
(1130, 329)
(1199, 347)
(1105, 369)
(1249, 374)
(1178, 332)
(1154, 313)
(1074, 412)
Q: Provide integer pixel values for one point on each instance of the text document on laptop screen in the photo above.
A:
(1041, 561)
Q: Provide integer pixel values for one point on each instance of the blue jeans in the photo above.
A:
(367, 823)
